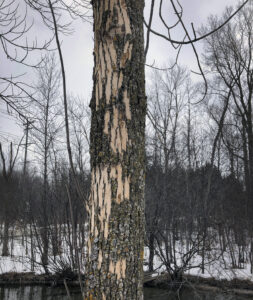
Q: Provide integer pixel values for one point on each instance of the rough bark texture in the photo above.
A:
(116, 206)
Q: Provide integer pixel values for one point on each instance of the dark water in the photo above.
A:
(59, 293)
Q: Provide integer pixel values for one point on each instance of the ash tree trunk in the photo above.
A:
(114, 267)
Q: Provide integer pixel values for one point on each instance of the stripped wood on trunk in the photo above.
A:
(116, 205)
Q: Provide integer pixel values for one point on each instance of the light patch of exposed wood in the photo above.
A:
(107, 120)
(102, 197)
(123, 188)
(126, 54)
(123, 139)
(127, 105)
(119, 133)
(89, 246)
(100, 259)
(118, 268)
(127, 188)
(115, 84)
(118, 130)
(113, 78)
(126, 20)
(106, 70)
(120, 79)
(104, 200)
(110, 61)
(114, 129)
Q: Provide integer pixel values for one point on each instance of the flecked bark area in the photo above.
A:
(116, 205)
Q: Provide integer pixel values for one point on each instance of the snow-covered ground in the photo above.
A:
(19, 260)
(20, 252)
(219, 268)
(216, 266)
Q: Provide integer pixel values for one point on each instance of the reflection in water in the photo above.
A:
(37, 293)
(59, 293)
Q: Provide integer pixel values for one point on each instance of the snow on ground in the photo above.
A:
(217, 269)
(19, 260)
(220, 268)
(13, 264)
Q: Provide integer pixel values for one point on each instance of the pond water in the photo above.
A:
(59, 293)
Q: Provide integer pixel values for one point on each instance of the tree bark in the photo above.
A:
(114, 267)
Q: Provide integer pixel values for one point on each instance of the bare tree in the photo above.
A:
(7, 198)
(229, 55)
(18, 49)
(48, 126)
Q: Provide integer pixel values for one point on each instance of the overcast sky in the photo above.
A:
(77, 50)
